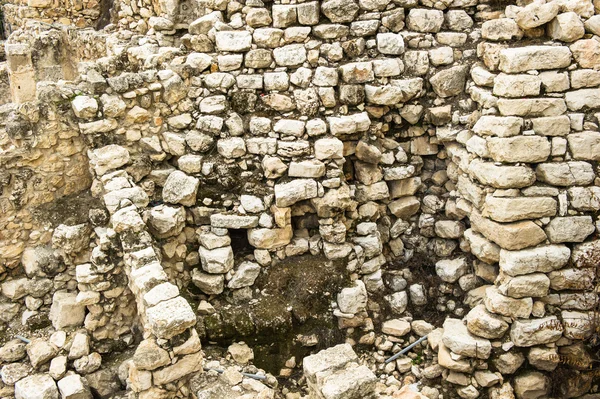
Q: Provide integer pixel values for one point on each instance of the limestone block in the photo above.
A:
(485, 324)
(425, 20)
(450, 270)
(233, 41)
(529, 285)
(501, 29)
(340, 10)
(37, 386)
(218, 260)
(65, 311)
(512, 236)
(459, 340)
(186, 365)
(503, 305)
(533, 332)
(74, 387)
(552, 125)
(264, 238)
(523, 59)
(585, 145)
(292, 55)
(583, 98)
(535, 14)
(501, 126)
(566, 27)
(171, 317)
(532, 106)
(287, 194)
(532, 385)
(530, 149)
(575, 173)
(516, 85)
(482, 248)
(210, 284)
(85, 107)
(511, 209)
(323, 363)
(353, 300)
(245, 275)
(180, 188)
(540, 259)
(570, 229)
(226, 221)
(587, 53)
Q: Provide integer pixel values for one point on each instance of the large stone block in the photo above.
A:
(65, 312)
(501, 176)
(575, 173)
(459, 340)
(287, 194)
(512, 209)
(170, 318)
(540, 259)
(501, 126)
(503, 305)
(38, 386)
(512, 236)
(529, 149)
(523, 59)
(532, 107)
(585, 145)
(570, 229)
(533, 332)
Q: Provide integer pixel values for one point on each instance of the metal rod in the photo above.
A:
(409, 347)
(23, 339)
(255, 376)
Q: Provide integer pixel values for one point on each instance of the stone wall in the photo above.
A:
(407, 139)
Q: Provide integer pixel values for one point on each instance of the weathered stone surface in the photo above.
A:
(532, 106)
(449, 82)
(531, 149)
(535, 331)
(575, 173)
(500, 304)
(501, 126)
(353, 300)
(483, 249)
(74, 387)
(459, 340)
(171, 317)
(511, 236)
(37, 386)
(502, 176)
(519, 208)
(532, 385)
(583, 99)
(218, 260)
(287, 194)
(523, 59)
(451, 270)
(180, 188)
(66, 311)
(587, 53)
(485, 324)
(530, 285)
(540, 259)
(535, 14)
(566, 27)
(570, 229)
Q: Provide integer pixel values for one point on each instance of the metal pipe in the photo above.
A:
(409, 347)
(23, 339)
(255, 376)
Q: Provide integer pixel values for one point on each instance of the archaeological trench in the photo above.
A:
(217, 199)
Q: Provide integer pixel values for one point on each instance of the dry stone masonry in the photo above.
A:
(269, 198)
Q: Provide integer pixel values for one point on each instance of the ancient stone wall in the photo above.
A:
(455, 141)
